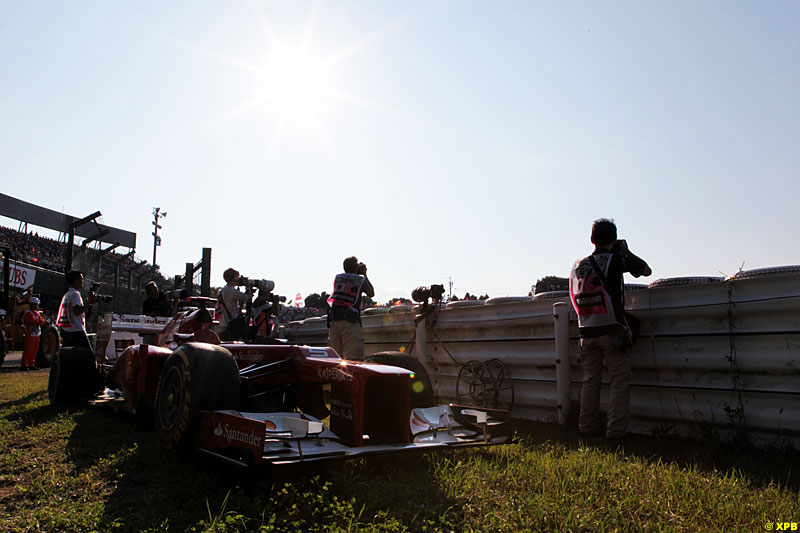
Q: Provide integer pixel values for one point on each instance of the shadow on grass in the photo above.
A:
(152, 487)
(780, 465)
(40, 395)
(155, 488)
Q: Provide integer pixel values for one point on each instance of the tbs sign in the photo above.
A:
(20, 276)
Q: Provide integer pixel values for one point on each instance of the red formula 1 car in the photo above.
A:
(251, 404)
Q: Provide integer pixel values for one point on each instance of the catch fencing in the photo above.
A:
(714, 356)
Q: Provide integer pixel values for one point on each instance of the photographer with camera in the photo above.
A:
(156, 303)
(597, 291)
(230, 304)
(345, 334)
(266, 306)
(71, 320)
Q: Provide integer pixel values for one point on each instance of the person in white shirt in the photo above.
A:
(230, 303)
(71, 320)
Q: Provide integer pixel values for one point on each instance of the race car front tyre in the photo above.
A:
(421, 388)
(196, 377)
(73, 376)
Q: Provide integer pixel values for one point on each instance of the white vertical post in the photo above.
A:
(563, 374)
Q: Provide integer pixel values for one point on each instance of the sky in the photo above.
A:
(450, 140)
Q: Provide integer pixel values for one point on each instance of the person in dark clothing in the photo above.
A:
(156, 303)
(597, 290)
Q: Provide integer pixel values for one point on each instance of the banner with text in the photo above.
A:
(19, 276)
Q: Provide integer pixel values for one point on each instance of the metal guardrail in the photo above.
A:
(714, 357)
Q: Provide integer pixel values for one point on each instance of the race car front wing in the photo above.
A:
(247, 439)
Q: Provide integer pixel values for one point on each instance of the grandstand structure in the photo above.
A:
(106, 256)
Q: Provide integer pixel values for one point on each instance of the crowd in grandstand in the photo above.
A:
(37, 250)
(32, 249)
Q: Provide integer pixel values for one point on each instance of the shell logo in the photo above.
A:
(270, 424)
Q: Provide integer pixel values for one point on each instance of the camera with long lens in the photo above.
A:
(103, 298)
(177, 294)
(265, 285)
(422, 293)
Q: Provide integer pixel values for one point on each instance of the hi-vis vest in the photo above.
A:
(590, 298)
(346, 289)
(261, 314)
(33, 324)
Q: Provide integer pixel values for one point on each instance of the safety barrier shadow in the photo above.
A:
(779, 464)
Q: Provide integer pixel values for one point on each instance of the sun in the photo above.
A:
(291, 86)
(293, 79)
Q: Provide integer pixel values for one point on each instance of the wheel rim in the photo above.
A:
(498, 380)
(171, 398)
(469, 387)
(486, 384)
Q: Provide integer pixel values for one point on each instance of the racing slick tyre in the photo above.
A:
(49, 342)
(196, 377)
(73, 376)
(421, 388)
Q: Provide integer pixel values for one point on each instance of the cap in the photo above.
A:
(35, 300)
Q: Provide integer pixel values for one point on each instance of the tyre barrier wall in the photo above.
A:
(714, 357)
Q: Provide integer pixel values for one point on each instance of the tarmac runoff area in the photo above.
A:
(11, 364)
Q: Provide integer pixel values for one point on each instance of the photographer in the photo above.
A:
(71, 320)
(156, 303)
(265, 306)
(230, 303)
(597, 290)
(345, 334)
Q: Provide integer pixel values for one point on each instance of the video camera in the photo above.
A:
(265, 285)
(103, 298)
(422, 293)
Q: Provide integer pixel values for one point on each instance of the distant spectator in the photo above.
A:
(156, 303)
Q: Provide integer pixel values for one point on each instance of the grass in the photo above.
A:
(90, 470)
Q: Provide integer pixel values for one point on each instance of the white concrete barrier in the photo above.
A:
(713, 356)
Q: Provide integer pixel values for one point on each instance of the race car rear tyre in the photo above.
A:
(421, 388)
(196, 377)
(73, 376)
(49, 342)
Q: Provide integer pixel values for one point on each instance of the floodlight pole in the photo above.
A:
(157, 214)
